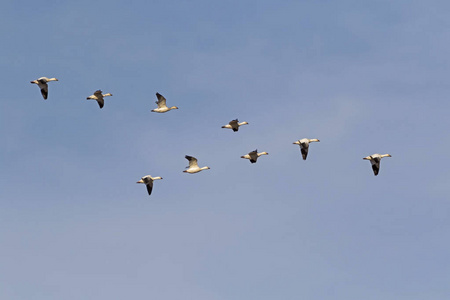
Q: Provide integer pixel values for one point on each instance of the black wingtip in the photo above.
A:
(304, 154)
(149, 189)
(375, 170)
(44, 94)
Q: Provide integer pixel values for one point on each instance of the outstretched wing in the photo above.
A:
(375, 166)
(98, 93)
(149, 187)
(100, 102)
(44, 89)
(253, 156)
(192, 161)
(161, 100)
(44, 92)
(304, 149)
(234, 125)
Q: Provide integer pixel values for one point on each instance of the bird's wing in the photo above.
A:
(98, 93)
(161, 100)
(234, 125)
(192, 161)
(253, 156)
(100, 102)
(44, 90)
(149, 186)
(304, 149)
(375, 166)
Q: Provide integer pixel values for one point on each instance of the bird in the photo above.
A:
(42, 83)
(193, 165)
(162, 107)
(148, 180)
(99, 97)
(375, 161)
(253, 156)
(304, 145)
(234, 124)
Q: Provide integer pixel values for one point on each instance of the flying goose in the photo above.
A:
(253, 156)
(99, 97)
(234, 124)
(375, 161)
(162, 107)
(42, 83)
(193, 165)
(148, 180)
(304, 145)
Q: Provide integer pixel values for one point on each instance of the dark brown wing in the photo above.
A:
(101, 102)
(44, 93)
(149, 187)
(304, 151)
(375, 166)
(253, 156)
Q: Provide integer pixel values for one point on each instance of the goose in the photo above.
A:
(42, 83)
(375, 161)
(304, 145)
(162, 107)
(148, 180)
(99, 97)
(253, 156)
(193, 165)
(234, 124)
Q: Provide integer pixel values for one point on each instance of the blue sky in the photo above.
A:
(363, 77)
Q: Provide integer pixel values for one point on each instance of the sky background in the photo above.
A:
(364, 77)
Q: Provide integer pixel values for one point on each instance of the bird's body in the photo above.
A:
(148, 181)
(42, 83)
(375, 160)
(234, 124)
(98, 96)
(304, 146)
(253, 155)
(162, 107)
(193, 165)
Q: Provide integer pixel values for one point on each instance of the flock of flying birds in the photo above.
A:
(193, 167)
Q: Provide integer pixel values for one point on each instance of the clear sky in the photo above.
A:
(364, 77)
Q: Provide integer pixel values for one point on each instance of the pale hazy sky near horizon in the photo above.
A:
(364, 77)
